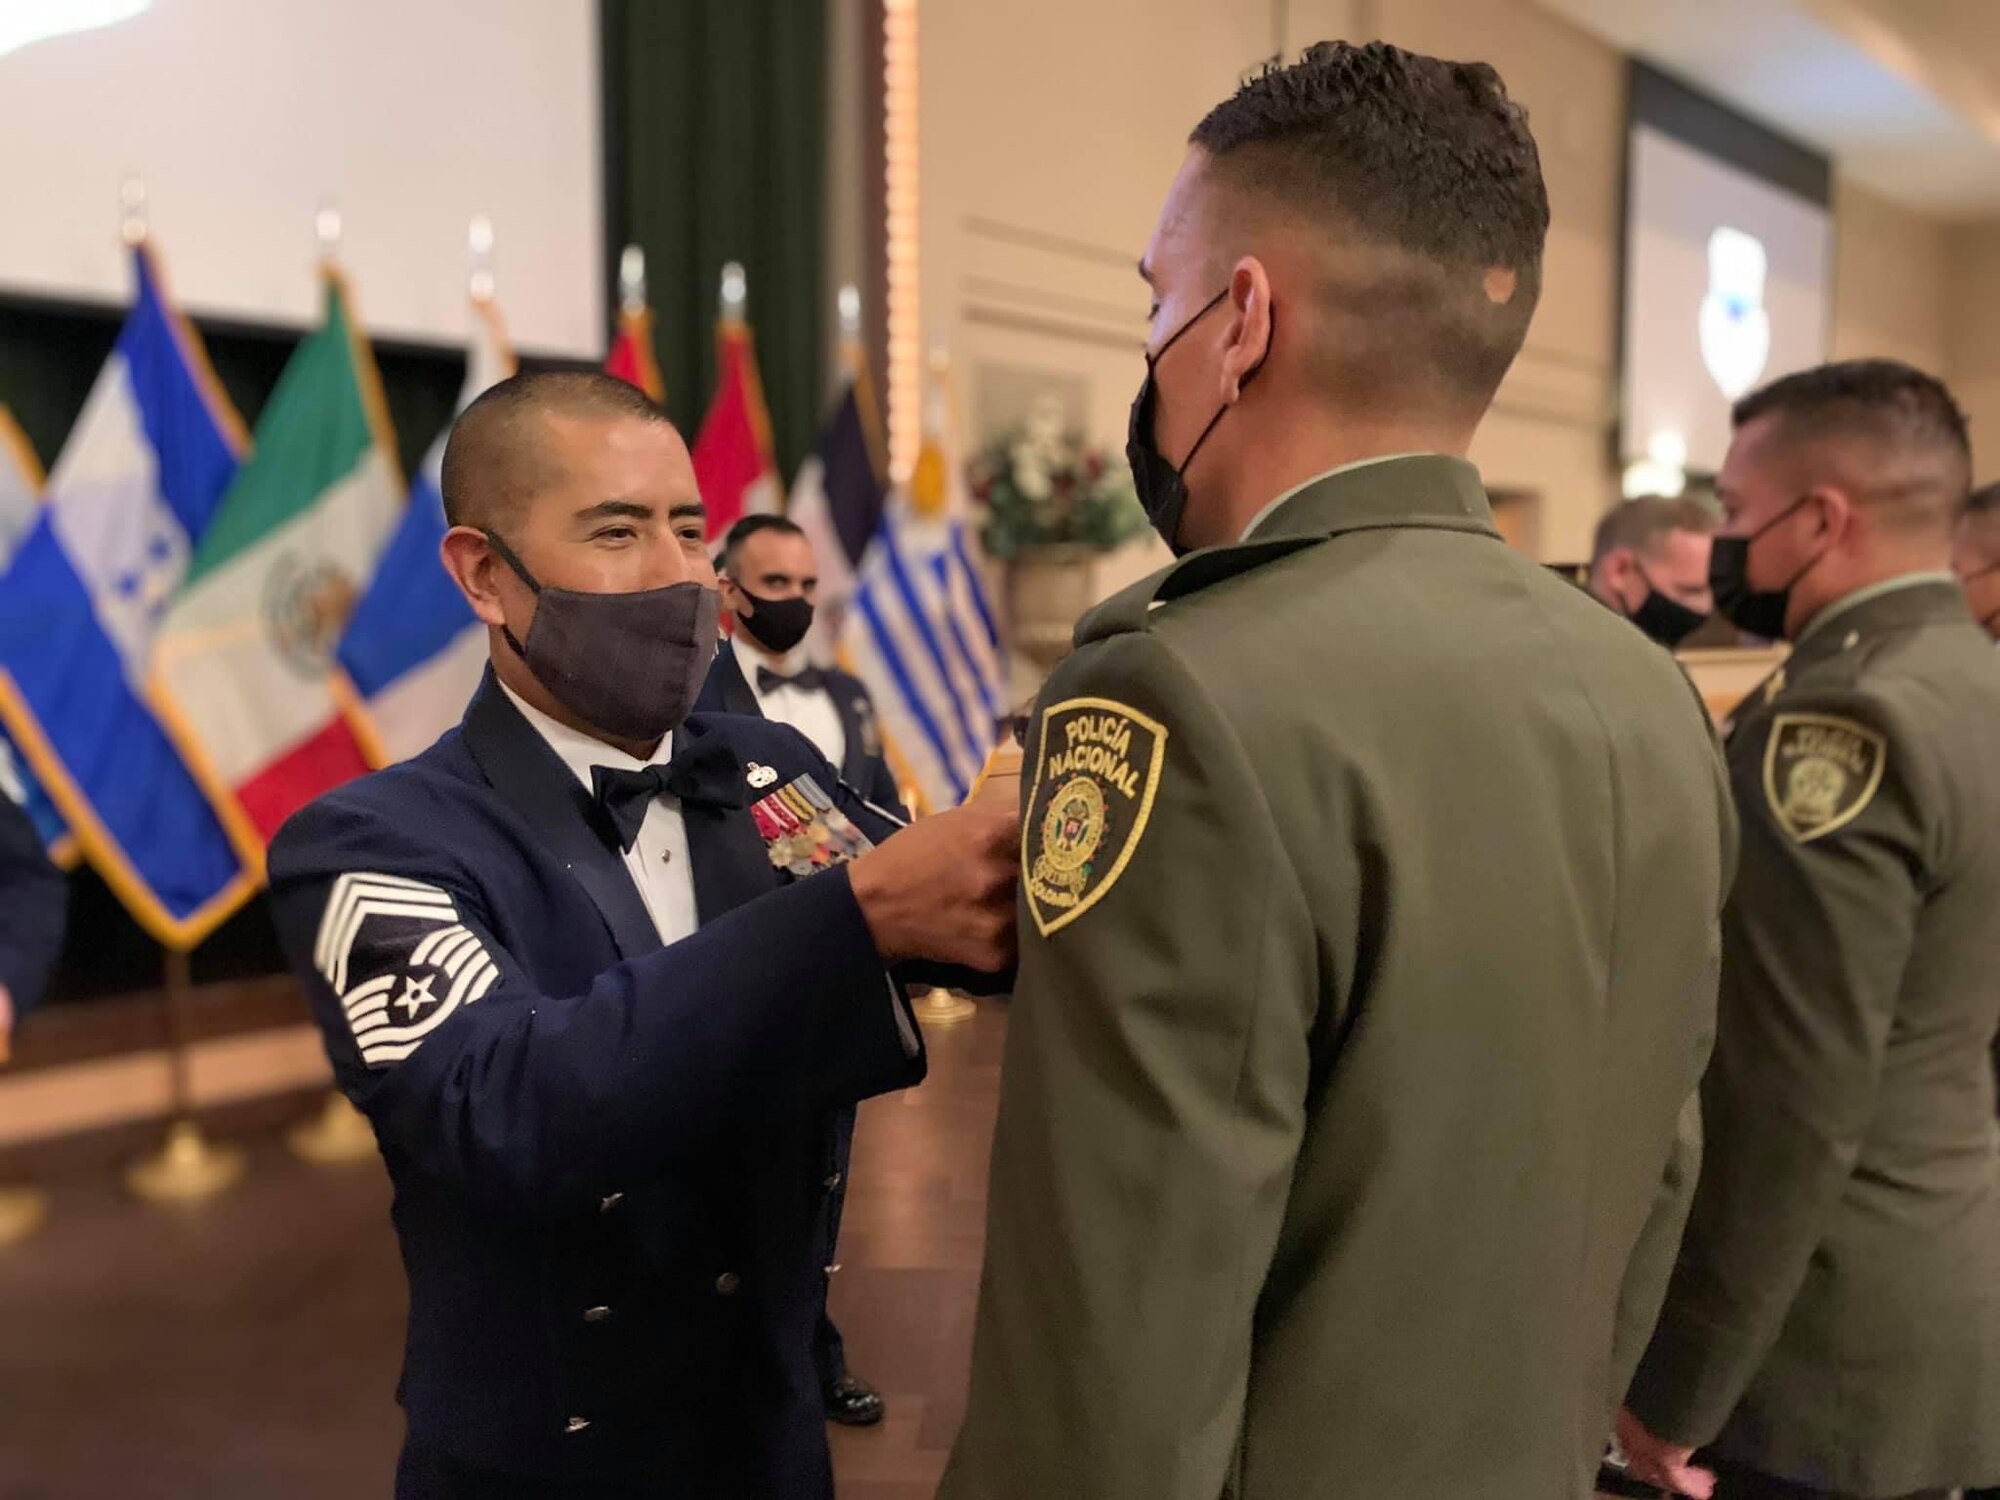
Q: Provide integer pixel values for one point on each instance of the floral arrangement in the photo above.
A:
(1042, 486)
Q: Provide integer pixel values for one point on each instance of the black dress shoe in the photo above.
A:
(853, 1403)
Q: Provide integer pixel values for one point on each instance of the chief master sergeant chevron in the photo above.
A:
(1371, 877)
(598, 973)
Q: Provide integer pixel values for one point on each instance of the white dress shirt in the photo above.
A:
(658, 861)
(811, 713)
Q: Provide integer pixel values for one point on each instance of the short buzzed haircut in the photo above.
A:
(746, 528)
(1640, 524)
(1899, 427)
(491, 466)
(1412, 154)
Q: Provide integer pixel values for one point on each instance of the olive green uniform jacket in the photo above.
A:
(1371, 887)
(1835, 1316)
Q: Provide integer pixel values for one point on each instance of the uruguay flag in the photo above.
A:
(413, 651)
(151, 454)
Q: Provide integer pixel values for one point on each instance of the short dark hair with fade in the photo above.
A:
(748, 527)
(1983, 504)
(1413, 152)
(1640, 523)
(1874, 400)
(491, 468)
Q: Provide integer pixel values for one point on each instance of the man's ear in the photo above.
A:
(476, 568)
(1249, 327)
(1839, 512)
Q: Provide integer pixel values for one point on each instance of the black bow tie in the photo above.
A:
(810, 680)
(706, 774)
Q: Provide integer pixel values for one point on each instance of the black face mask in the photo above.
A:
(1758, 612)
(631, 664)
(776, 624)
(1663, 618)
(1161, 487)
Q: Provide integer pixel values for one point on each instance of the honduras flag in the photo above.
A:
(149, 458)
(413, 651)
(20, 496)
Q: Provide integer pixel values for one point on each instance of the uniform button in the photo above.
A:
(596, 1314)
(832, 1182)
(576, 1424)
(727, 1283)
(606, 1204)
(834, 1269)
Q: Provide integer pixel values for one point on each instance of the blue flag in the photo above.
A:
(144, 469)
(413, 651)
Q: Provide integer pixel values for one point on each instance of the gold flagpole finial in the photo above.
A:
(735, 291)
(479, 245)
(326, 230)
(133, 223)
(632, 280)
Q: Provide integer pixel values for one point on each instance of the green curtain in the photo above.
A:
(715, 115)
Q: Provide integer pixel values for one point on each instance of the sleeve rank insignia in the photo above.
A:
(1097, 772)
(1821, 772)
(804, 832)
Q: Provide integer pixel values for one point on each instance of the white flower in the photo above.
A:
(1032, 479)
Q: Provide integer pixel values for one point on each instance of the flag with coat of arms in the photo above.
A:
(131, 498)
(242, 667)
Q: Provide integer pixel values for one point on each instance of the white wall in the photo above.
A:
(242, 116)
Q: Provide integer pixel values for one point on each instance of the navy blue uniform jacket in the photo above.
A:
(34, 896)
(863, 766)
(606, 1153)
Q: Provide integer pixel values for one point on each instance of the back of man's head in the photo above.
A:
(1644, 524)
(1881, 431)
(1416, 186)
(495, 459)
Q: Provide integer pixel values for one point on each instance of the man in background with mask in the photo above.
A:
(1649, 562)
(1833, 1325)
(1975, 556)
(769, 580)
(1362, 858)
(597, 972)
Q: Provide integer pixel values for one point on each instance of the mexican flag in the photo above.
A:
(241, 664)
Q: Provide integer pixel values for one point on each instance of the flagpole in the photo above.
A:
(188, 1166)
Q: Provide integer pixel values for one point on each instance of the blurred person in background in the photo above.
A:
(1649, 562)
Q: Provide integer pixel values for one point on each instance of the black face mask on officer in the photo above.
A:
(778, 624)
(630, 664)
(1161, 484)
(1760, 612)
(1663, 618)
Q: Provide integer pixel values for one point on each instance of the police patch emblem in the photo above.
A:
(1821, 772)
(1096, 776)
(399, 960)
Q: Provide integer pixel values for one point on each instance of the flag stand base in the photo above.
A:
(22, 1210)
(187, 1168)
(943, 1008)
(338, 1133)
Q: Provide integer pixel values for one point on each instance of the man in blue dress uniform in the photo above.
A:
(770, 583)
(597, 972)
(34, 897)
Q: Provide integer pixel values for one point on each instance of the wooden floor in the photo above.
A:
(247, 1349)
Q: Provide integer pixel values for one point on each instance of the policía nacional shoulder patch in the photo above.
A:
(1095, 781)
(1821, 772)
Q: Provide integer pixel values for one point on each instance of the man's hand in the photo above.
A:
(943, 888)
(6, 1024)
(1655, 1461)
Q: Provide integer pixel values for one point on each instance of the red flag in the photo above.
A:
(631, 357)
(732, 452)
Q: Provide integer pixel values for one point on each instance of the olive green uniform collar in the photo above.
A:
(1411, 489)
(1896, 604)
